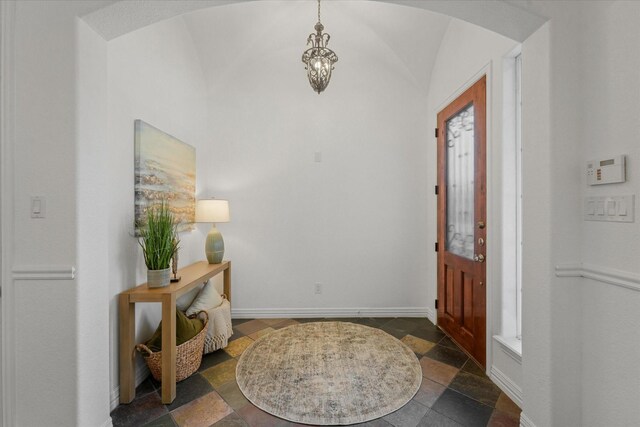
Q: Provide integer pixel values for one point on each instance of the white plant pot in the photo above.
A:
(158, 278)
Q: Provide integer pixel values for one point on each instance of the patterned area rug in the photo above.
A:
(329, 373)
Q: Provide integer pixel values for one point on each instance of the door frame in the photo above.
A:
(492, 176)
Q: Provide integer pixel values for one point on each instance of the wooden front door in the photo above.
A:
(462, 223)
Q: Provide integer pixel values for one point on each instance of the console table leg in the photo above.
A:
(227, 281)
(127, 349)
(168, 348)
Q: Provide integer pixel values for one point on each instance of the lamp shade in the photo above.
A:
(212, 210)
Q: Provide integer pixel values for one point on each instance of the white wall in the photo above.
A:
(354, 222)
(564, 204)
(556, 330)
(610, 86)
(154, 74)
(48, 337)
(536, 228)
(465, 52)
(610, 89)
(55, 301)
(581, 337)
(92, 214)
(552, 308)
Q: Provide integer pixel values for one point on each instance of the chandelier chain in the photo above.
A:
(318, 58)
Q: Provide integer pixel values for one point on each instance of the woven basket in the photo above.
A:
(188, 354)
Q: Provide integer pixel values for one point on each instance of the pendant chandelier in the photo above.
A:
(319, 59)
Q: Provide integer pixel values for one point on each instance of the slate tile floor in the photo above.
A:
(454, 392)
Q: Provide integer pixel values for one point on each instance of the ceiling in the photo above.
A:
(403, 35)
(363, 34)
(516, 19)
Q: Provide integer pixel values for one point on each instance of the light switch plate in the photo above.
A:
(609, 208)
(38, 207)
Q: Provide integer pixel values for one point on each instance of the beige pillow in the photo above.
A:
(207, 299)
(185, 301)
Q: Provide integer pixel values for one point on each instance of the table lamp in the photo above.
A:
(213, 211)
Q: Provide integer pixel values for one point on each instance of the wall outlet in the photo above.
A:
(318, 288)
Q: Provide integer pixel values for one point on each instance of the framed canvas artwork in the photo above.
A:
(165, 169)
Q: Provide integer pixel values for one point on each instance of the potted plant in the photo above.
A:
(159, 242)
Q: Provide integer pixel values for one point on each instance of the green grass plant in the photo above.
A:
(159, 237)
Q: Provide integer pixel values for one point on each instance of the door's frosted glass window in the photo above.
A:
(460, 183)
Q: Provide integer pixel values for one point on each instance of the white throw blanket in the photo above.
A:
(219, 329)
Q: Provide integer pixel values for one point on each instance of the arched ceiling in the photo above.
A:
(513, 18)
(363, 34)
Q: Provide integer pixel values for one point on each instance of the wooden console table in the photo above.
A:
(192, 276)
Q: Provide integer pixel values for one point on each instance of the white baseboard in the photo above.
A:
(507, 385)
(525, 421)
(275, 313)
(432, 315)
(107, 423)
(142, 372)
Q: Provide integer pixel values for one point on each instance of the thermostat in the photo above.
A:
(606, 171)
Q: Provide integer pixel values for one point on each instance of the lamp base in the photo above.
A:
(214, 246)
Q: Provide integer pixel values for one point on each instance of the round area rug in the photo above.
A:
(328, 373)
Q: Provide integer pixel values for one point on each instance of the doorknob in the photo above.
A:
(480, 225)
(478, 258)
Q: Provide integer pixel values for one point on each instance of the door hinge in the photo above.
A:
(436, 246)
(436, 304)
(436, 189)
(436, 132)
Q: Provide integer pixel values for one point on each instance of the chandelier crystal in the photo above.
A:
(319, 59)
